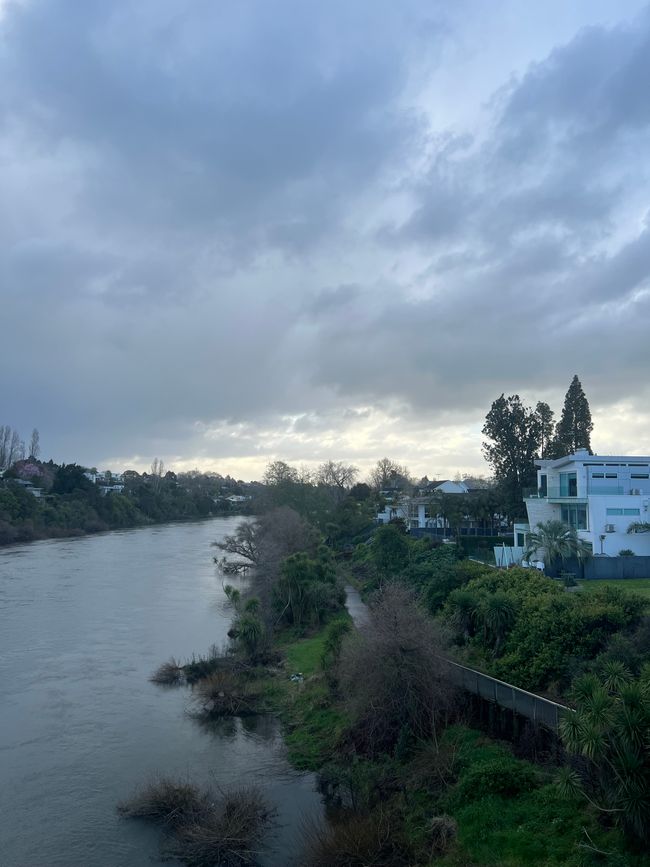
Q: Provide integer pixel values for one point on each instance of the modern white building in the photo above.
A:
(419, 511)
(599, 495)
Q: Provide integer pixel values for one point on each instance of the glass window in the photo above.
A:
(631, 511)
(521, 540)
(615, 511)
(575, 516)
(598, 475)
(611, 475)
(543, 489)
(640, 476)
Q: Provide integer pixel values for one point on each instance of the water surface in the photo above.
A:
(83, 623)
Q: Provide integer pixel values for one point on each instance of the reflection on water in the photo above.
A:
(83, 623)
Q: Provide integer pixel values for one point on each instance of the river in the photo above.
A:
(83, 623)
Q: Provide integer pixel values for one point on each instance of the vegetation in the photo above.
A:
(610, 730)
(574, 428)
(558, 542)
(205, 829)
(639, 586)
(43, 500)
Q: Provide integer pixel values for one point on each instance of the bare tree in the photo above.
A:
(157, 470)
(392, 674)
(388, 474)
(35, 444)
(336, 474)
(12, 448)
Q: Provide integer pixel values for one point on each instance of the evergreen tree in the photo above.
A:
(513, 432)
(574, 429)
(546, 418)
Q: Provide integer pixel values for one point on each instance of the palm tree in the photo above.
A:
(559, 543)
(462, 607)
(498, 613)
(639, 527)
(610, 730)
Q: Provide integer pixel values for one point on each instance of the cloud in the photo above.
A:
(265, 230)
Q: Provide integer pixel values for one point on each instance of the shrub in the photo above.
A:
(502, 775)
(443, 831)
(166, 802)
(170, 673)
(225, 693)
(626, 552)
(208, 830)
(356, 841)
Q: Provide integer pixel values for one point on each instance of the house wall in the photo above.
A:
(540, 511)
(620, 538)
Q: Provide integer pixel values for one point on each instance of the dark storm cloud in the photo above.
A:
(233, 227)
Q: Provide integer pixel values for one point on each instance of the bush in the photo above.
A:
(356, 841)
(505, 776)
(166, 802)
(225, 693)
(208, 830)
(170, 673)
(626, 552)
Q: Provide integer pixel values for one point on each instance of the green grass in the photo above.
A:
(534, 826)
(637, 585)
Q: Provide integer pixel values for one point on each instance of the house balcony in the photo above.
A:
(553, 495)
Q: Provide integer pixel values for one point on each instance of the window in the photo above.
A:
(640, 476)
(521, 540)
(575, 516)
(598, 475)
(614, 511)
(631, 511)
(611, 475)
(543, 489)
(568, 485)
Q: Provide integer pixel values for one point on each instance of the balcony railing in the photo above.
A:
(557, 493)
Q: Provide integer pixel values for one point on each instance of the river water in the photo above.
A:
(83, 623)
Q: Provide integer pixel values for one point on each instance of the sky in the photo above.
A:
(232, 233)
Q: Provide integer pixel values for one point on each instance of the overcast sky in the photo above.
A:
(234, 232)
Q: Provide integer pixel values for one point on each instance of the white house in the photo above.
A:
(419, 511)
(599, 495)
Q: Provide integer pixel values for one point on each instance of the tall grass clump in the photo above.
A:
(170, 673)
(205, 829)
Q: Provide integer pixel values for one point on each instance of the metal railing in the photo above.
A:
(534, 707)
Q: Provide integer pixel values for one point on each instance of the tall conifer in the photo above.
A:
(574, 429)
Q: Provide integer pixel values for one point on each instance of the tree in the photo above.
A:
(388, 475)
(545, 416)
(574, 428)
(513, 432)
(34, 444)
(12, 448)
(610, 731)
(559, 543)
(336, 474)
(279, 472)
(392, 674)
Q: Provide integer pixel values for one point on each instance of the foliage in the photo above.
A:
(391, 673)
(537, 631)
(513, 436)
(574, 428)
(610, 730)
(226, 829)
(558, 541)
(306, 591)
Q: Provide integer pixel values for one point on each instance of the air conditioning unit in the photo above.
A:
(610, 528)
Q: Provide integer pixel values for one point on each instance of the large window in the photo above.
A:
(575, 516)
(568, 485)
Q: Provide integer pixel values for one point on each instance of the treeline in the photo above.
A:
(46, 500)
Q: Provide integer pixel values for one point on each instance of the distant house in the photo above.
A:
(29, 486)
(419, 511)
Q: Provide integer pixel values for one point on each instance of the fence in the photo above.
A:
(610, 568)
(470, 532)
(534, 707)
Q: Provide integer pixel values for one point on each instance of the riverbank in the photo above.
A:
(465, 799)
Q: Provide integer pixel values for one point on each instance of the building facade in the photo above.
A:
(599, 496)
